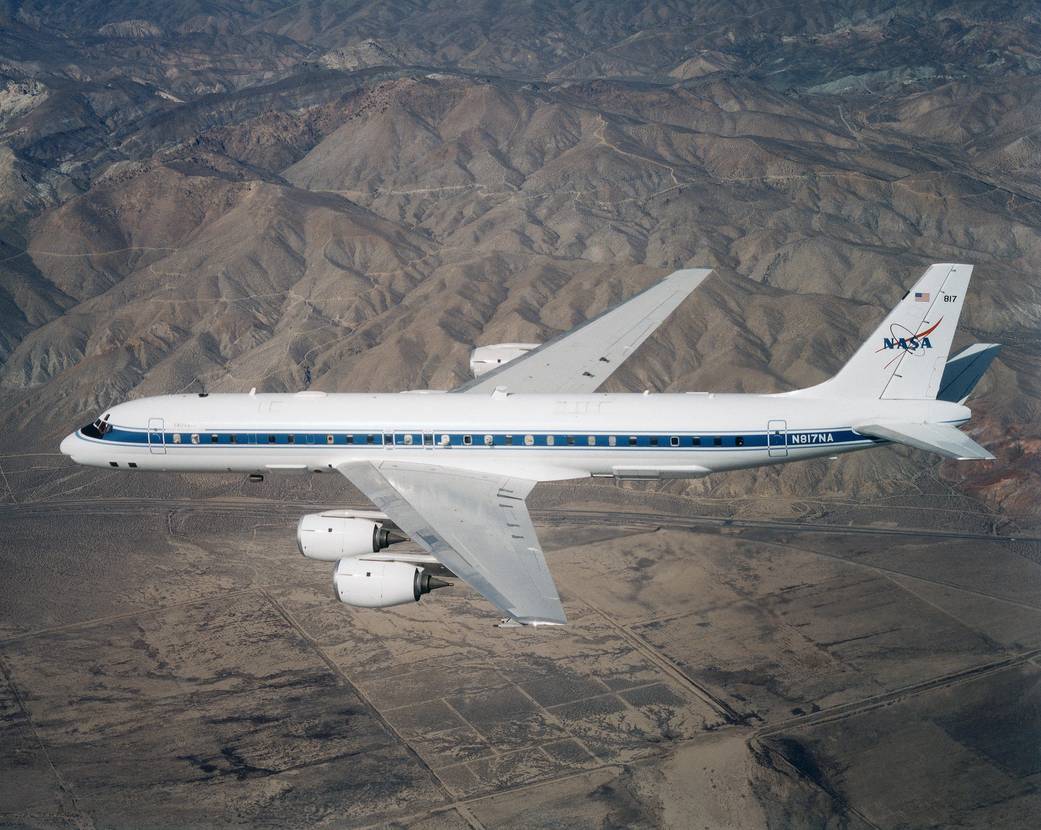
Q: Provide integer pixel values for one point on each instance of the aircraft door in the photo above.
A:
(777, 438)
(156, 436)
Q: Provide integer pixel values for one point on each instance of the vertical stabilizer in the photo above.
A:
(904, 359)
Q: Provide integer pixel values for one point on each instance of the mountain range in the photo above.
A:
(226, 195)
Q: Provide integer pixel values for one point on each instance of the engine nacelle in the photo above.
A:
(485, 358)
(329, 536)
(370, 584)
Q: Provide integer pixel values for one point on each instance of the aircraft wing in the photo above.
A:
(583, 358)
(475, 524)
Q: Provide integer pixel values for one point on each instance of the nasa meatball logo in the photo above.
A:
(904, 339)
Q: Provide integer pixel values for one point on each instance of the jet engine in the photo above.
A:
(485, 358)
(370, 584)
(334, 535)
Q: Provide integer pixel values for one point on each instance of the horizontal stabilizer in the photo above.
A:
(943, 439)
(964, 370)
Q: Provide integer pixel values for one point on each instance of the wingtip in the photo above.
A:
(534, 622)
(981, 457)
(690, 274)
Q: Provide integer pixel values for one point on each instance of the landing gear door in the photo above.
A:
(777, 438)
(156, 436)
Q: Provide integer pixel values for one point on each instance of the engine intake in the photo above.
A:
(329, 536)
(369, 584)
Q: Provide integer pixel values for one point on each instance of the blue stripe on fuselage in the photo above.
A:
(560, 441)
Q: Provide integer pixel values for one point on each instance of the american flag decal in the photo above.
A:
(921, 296)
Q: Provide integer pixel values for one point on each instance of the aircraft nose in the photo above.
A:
(68, 444)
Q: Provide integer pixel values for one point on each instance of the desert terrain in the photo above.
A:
(193, 670)
(219, 196)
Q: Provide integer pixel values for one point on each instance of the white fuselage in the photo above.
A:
(538, 436)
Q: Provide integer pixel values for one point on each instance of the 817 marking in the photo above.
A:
(950, 298)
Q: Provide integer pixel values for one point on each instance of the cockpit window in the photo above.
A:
(96, 429)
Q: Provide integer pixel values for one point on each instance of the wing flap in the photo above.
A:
(582, 359)
(943, 439)
(475, 524)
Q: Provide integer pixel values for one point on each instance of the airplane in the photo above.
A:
(450, 471)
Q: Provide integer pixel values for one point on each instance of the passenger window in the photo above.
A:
(529, 440)
(428, 439)
(488, 440)
(654, 440)
(195, 438)
(271, 439)
(674, 441)
(718, 441)
(550, 440)
(508, 440)
(214, 438)
(468, 440)
(696, 441)
(231, 439)
(592, 440)
(348, 439)
(612, 440)
(370, 439)
(446, 440)
(408, 439)
(632, 441)
(177, 438)
(740, 440)
(571, 440)
(291, 438)
(329, 439)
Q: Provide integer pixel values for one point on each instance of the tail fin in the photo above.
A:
(905, 357)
